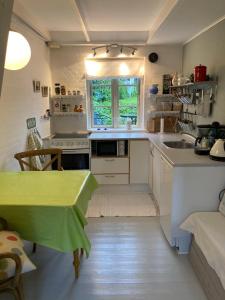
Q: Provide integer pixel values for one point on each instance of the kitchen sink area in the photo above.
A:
(179, 144)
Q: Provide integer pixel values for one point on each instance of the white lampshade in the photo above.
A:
(18, 52)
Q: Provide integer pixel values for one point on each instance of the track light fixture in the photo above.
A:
(110, 46)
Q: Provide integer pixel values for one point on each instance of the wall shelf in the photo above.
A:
(168, 113)
(60, 114)
(68, 97)
(201, 85)
(162, 98)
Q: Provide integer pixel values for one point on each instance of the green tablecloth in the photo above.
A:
(49, 207)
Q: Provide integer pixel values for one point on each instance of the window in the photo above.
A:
(114, 101)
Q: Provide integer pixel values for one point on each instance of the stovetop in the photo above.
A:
(73, 140)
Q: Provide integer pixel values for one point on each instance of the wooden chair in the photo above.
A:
(13, 284)
(54, 153)
(24, 158)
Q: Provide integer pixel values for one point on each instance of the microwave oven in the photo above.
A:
(109, 147)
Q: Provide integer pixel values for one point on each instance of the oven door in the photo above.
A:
(75, 159)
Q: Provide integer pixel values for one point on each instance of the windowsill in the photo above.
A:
(117, 130)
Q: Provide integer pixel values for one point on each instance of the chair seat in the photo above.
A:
(11, 242)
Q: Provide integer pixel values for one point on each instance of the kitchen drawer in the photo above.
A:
(110, 165)
(112, 178)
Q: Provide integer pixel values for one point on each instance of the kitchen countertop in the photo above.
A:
(119, 135)
(177, 157)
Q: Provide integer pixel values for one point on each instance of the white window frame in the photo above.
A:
(115, 104)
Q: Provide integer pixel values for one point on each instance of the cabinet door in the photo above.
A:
(150, 168)
(139, 154)
(165, 200)
(156, 174)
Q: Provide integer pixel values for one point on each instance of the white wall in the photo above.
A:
(18, 101)
(209, 49)
(67, 65)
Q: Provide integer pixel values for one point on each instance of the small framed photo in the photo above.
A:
(36, 86)
(44, 91)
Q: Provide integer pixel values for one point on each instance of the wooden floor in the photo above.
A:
(121, 201)
(130, 260)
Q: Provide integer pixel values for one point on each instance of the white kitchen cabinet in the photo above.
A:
(108, 165)
(165, 199)
(112, 178)
(156, 174)
(183, 191)
(150, 167)
(139, 155)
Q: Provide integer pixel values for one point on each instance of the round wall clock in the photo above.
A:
(153, 57)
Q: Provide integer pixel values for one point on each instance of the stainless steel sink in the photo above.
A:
(179, 144)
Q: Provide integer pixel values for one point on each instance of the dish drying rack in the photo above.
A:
(201, 94)
(187, 121)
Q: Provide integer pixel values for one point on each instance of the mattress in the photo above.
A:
(209, 231)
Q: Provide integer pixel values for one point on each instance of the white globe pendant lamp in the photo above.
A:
(18, 51)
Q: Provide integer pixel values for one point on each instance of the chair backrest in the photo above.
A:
(54, 153)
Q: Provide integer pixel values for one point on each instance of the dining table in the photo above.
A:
(48, 208)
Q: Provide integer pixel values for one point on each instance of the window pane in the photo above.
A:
(102, 116)
(102, 95)
(128, 81)
(126, 112)
(128, 95)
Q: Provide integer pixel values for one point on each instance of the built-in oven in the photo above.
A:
(75, 159)
(75, 150)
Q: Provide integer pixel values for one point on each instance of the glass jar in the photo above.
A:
(63, 90)
(57, 88)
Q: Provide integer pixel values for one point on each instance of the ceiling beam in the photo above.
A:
(23, 16)
(205, 29)
(76, 8)
(163, 14)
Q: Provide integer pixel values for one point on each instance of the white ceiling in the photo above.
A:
(123, 21)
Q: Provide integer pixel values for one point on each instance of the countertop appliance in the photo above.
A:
(202, 145)
(218, 150)
(208, 134)
(109, 147)
(76, 150)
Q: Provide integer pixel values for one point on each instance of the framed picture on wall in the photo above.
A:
(36, 86)
(44, 91)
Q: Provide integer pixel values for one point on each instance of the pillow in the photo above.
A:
(10, 242)
(222, 206)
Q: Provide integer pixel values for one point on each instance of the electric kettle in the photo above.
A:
(217, 151)
(202, 145)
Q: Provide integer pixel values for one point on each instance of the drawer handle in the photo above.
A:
(109, 176)
(109, 159)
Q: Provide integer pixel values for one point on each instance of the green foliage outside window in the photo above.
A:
(103, 93)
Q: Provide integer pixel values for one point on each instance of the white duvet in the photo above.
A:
(209, 231)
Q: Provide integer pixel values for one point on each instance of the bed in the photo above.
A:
(207, 254)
